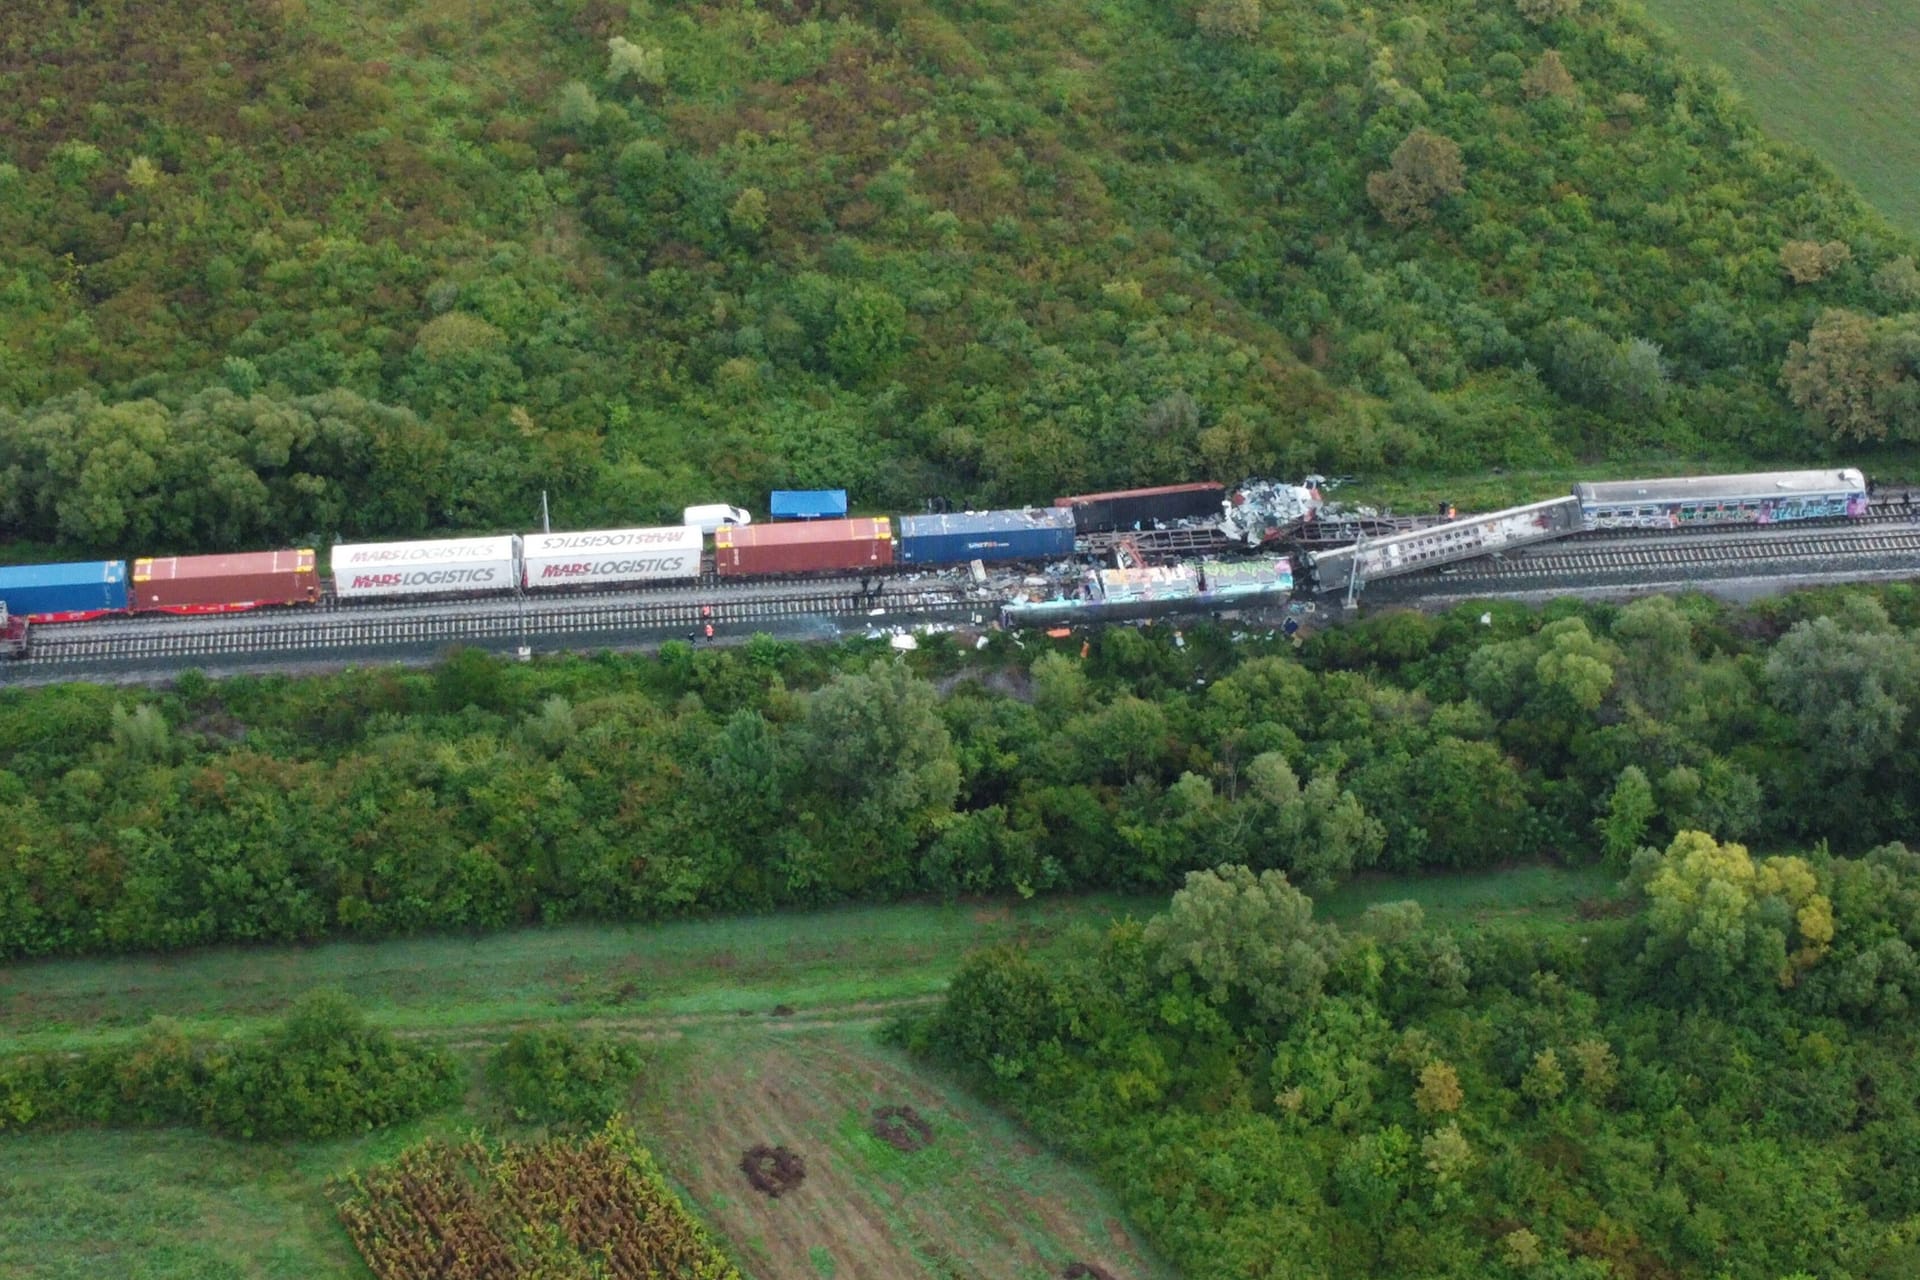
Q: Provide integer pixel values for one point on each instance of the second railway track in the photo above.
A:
(292, 633)
(1584, 559)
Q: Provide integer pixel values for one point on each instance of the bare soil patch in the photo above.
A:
(901, 1128)
(1087, 1271)
(773, 1170)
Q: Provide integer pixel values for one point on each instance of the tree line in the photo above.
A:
(484, 794)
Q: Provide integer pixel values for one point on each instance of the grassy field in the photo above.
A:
(1839, 77)
(755, 1030)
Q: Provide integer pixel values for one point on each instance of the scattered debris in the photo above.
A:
(773, 1170)
(902, 1128)
(1262, 511)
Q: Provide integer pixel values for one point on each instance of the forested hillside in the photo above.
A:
(316, 266)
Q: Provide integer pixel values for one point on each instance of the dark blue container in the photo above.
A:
(65, 592)
(808, 504)
(1038, 533)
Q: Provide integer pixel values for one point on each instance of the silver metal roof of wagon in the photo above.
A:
(1764, 484)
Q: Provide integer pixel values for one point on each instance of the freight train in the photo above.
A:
(532, 562)
(536, 562)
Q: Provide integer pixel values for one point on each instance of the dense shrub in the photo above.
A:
(1432, 1105)
(562, 1076)
(322, 1073)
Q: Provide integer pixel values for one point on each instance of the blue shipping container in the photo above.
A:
(1038, 533)
(65, 592)
(809, 504)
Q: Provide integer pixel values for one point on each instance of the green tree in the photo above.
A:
(869, 329)
(881, 757)
(576, 108)
(1854, 377)
(1808, 261)
(644, 65)
(1249, 941)
(1439, 1092)
(1851, 686)
(1631, 808)
(1717, 921)
(1448, 1158)
(1425, 168)
(1229, 19)
(1549, 78)
(1898, 281)
(1541, 11)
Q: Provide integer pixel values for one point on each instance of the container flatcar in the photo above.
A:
(816, 546)
(609, 557)
(1037, 533)
(1767, 497)
(70, 592)
(1143, 508)
(225, 584)
(374, 570)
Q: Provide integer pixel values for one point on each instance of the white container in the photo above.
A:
(611, 556)
(368, 570)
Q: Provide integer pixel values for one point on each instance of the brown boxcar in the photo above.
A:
(1130, 508)
(811, 546)
(221, 584)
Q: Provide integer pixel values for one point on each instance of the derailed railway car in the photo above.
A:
(1767, 497)
(610, 557)
(374, 570)
(225, 584)
(1440, 544)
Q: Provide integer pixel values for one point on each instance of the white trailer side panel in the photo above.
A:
(612, 556)
(369, 570)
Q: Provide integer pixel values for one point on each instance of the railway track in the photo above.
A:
(293, 634)
(1572, 560)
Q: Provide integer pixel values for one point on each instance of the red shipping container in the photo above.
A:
(806, 547)
(222, 584)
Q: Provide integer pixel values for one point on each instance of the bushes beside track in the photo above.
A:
(482, 795)
(323, 1073)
